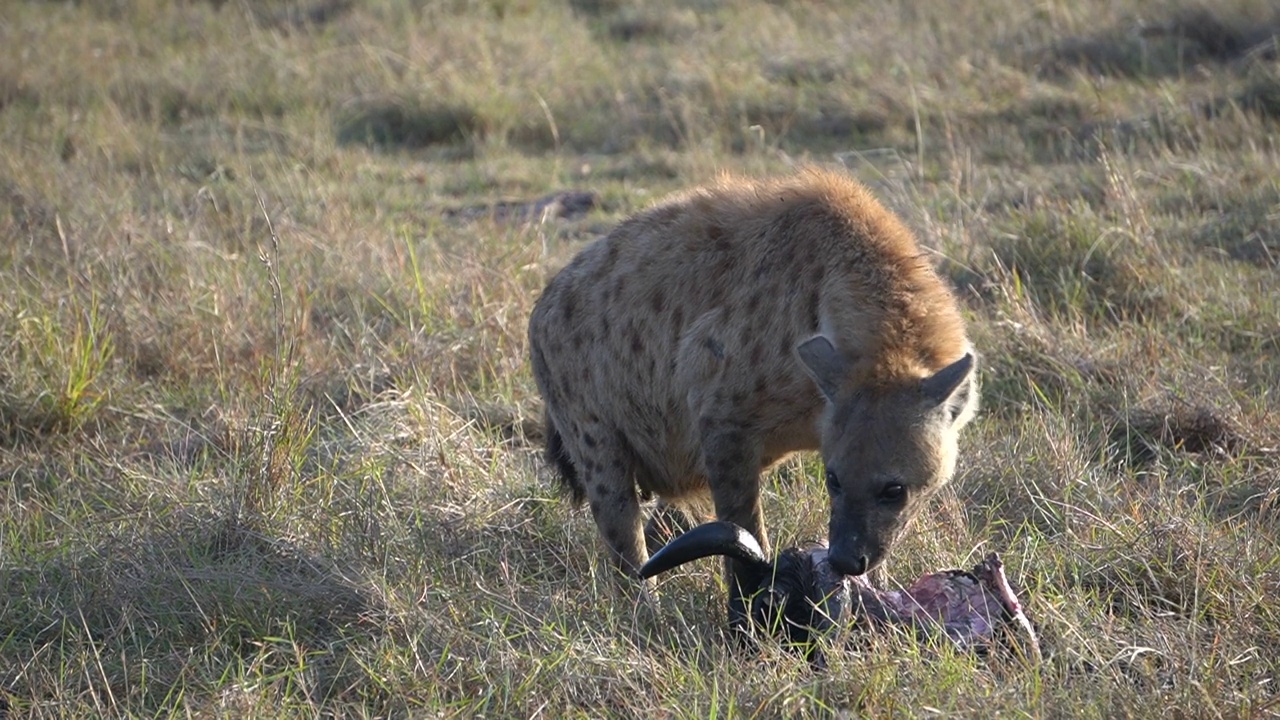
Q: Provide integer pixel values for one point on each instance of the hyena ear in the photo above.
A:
(825, 364)
(954, 388)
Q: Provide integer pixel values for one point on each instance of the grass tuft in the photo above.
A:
(1142, 435)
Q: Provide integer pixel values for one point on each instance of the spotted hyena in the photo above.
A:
(706, 338)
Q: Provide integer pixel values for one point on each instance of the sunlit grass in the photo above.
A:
(269, 444)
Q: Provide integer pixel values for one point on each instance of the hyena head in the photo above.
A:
(886, 451)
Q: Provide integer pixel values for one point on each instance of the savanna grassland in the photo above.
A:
(269, 442)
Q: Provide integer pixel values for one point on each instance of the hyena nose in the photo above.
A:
(850, 566)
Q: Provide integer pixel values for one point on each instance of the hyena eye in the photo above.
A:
(833, 483)
(892, 494)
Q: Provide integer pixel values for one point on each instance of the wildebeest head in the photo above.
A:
(886, 451)
(797, 593)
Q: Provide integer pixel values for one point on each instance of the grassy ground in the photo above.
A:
(268, 438)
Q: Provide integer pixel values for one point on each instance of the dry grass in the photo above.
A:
(268, 438)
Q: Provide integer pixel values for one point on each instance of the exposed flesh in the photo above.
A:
(970, 608)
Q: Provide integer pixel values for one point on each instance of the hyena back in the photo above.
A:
(708, 337)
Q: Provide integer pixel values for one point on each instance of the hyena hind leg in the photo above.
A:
(615, 506)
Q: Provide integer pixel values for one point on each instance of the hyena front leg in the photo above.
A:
(732, 458)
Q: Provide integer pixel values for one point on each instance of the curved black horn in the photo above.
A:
(713, 538)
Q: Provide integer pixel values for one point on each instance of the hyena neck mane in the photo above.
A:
(891, 321)
(840, 264)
